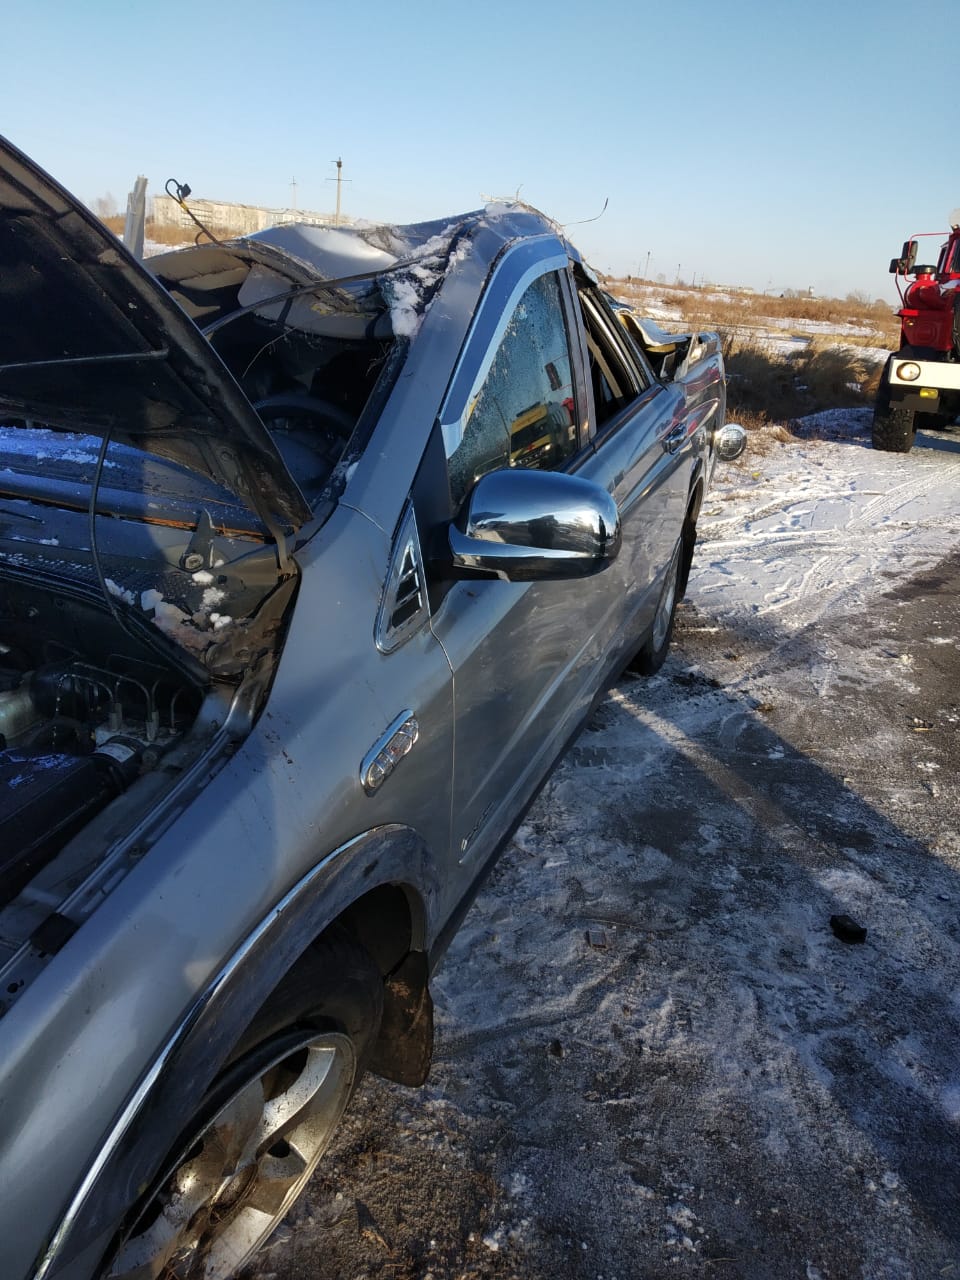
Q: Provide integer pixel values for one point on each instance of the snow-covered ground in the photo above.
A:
(654, 1058)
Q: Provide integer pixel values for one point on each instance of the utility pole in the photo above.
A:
(677, 281)
(339, 179)
(293, 193)
(646, 268)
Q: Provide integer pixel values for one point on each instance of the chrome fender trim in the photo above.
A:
(197, 1046)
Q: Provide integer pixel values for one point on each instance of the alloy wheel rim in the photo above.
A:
(234, 1182)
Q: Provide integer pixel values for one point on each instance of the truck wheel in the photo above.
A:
(652, 654)
(893, 429)
(249, 1151)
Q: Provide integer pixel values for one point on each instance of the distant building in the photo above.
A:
(243, 218)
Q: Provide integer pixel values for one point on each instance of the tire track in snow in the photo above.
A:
(847, 562)
(915, 486)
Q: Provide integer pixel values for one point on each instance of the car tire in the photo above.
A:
(250, 1149)
(652, 654)
(688, 544)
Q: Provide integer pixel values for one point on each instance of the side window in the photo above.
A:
(522, 414)
(616, 375)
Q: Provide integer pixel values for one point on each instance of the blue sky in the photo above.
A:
(764, 143)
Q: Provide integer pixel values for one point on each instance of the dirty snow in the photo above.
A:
(61, 446)
(404, 297)
(406, 287)
(653, 1055)
(120, 592)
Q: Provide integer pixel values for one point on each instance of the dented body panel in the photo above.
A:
(257, 648)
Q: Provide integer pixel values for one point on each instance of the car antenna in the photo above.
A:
(179, 194)
(582, 221)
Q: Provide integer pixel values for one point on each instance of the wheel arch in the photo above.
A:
(688, 531)
(696, 492)
(382, 887)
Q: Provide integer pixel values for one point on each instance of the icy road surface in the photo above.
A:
(654, 1058)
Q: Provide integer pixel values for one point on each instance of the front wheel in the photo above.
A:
(249, 1151)
(894, 429)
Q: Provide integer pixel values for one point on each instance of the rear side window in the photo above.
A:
(616, 372)
(522, 414)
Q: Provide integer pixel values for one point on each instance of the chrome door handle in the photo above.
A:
(675, 439)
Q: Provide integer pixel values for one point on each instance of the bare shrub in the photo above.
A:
(781, 387)
(104, 206)
(759, 382)
(838, 377)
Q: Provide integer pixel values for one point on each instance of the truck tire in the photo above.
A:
(894, 428)
(233, 1175)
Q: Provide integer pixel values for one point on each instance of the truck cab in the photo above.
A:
(920, 385)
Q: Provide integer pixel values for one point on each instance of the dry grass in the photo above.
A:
(874, 323)
(165, 234)
(728, 310)
(763, 436)
(773, 387)
(766, 387)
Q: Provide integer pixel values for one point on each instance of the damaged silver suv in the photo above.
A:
(316, 548)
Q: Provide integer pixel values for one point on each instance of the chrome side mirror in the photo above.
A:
(523, 525)
(730, 441)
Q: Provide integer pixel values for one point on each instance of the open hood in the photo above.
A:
(91, 341)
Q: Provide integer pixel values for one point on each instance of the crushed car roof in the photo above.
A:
(94, 341)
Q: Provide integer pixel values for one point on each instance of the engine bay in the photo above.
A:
(84, 714)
